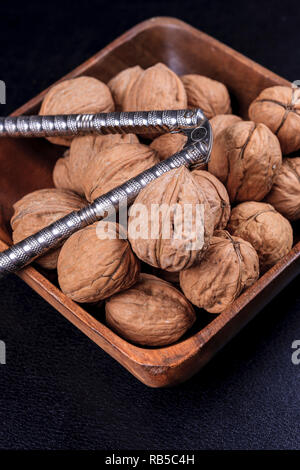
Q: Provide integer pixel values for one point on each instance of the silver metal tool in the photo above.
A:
(197, 150)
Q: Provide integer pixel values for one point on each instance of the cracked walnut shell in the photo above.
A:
(152, 312)
(92, 267)
(285, 192)
(78, 95)
(278, 107)
(230, 265)
(157, 87)
(261, 225)
(38, 209)
(246, 158)
(170, 223)
(209, 95)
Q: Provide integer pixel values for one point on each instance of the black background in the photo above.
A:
(58, 389)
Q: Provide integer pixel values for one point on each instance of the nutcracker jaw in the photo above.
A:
(201, 136)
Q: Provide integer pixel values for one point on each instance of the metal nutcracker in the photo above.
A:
(197, 150)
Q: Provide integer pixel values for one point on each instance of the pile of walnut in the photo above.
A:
(249, 194)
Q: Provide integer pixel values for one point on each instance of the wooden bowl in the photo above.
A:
(26, 165)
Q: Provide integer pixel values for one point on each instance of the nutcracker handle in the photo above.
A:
(136, 122)
(19, 255)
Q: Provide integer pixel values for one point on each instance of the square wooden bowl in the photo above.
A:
(26, 165)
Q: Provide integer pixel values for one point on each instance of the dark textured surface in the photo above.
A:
(58, 390)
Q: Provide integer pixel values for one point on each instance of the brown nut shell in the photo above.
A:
(61, 173)
(216, 196)
(121, 84)
(78, 95)
(221, 121)
(152, 312)
(229, 266)
(209, 95)
(38, 209)
(114, 166)
(168, 144)
(268, 231)
(72, 171)
(278, 107)
(167, 228)
(285, 192)
(91, 268)
(158, 88)
(246, 158)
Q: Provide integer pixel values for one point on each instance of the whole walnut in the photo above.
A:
(285, 192)
(216, 196)
(38, 209)
(95, 263)
(61, 174)
(246, 158)
(152, 312)
(70, 172)
(114, 166)
(121, 83)
(278, 107)
(229, 266)
(168, 144)
(170, 223)
(262, 226)
(209, 95)
(77, 95)
(157, 87)
(221, 121)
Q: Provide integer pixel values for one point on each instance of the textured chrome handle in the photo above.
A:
(24, 252)
(136, 122)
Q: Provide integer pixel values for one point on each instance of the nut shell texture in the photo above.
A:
(268, 231)
(168, 144)
(171, 239)
(152, 312)
(78, 95)
(229, 266)
(156, 88)
(38, 209)
(216, 196)
(246, 158)
(114, 166)
(122, 83)
(278, 107)
(209, 95)
(285, 192)
(92, 268)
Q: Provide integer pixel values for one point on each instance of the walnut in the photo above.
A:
(278, 107)
(69, 172)
(209, 95)
(170, 222)
(229, 266)
(61, 174)
(38, 209)
(221, 121)
(216, 196)
(78, 95)
(121, 83)
(285, 192)
(168, 144)
(157, 87)
(114, 166)
(246, 158)
(95, 263)
(262, 226)
(152, 312)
